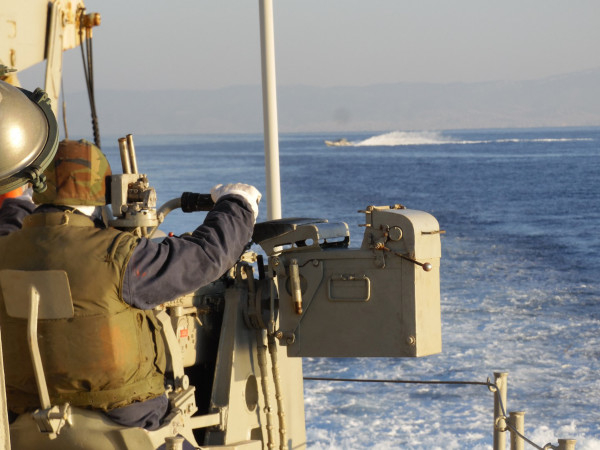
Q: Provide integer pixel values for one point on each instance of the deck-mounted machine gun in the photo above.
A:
(134, 201)
(379, 300)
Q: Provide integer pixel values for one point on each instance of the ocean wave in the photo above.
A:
(403, 138)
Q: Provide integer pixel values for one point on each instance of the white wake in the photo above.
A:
(397, 138)
(402, 138)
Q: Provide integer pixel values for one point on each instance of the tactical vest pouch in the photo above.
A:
(116, 367)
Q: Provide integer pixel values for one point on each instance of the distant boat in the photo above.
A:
(343, 142)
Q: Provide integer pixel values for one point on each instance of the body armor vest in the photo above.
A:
(109, 354)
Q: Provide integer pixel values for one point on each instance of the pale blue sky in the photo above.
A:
(200, 44)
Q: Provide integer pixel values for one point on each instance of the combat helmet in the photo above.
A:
(28, 137)
(78, 175)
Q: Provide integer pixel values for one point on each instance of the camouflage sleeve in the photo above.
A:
(12, 213)
(159, 272)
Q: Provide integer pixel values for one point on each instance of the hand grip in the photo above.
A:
(191, 201)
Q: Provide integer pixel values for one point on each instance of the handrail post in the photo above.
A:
(517, 421)
(566, 444)
(500, 379)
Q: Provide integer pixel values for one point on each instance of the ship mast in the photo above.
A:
(269, 94)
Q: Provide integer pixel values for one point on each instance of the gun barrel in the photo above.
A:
(124, 155)
(131, 149)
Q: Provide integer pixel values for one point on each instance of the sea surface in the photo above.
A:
(520, 271)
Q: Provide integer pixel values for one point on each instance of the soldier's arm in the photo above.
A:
(12, 213)
(159, 272)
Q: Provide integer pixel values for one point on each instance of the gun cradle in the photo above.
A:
(379, 300)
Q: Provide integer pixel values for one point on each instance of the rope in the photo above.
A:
(88, 72)
(492, 386)
(261, 353)
(278, 391)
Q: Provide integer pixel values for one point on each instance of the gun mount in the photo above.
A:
(374, 301)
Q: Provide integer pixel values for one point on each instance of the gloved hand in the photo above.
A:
(246, 191)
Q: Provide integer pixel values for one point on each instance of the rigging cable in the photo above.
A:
(64, 108)
(88, 70)
(492, 386)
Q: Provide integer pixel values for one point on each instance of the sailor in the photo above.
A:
(110, 356)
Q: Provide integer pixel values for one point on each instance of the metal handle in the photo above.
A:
(191, 202)
(348, 279)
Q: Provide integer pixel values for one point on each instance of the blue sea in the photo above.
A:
(520, 271)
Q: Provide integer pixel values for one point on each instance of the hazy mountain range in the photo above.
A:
(567, 100)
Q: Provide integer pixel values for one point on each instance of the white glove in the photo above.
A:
(246, 191)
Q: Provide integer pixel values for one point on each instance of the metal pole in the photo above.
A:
(566, 444)
(54, 54)
(271, 131)
(4, 428)
(517, 421)
(499, 422)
